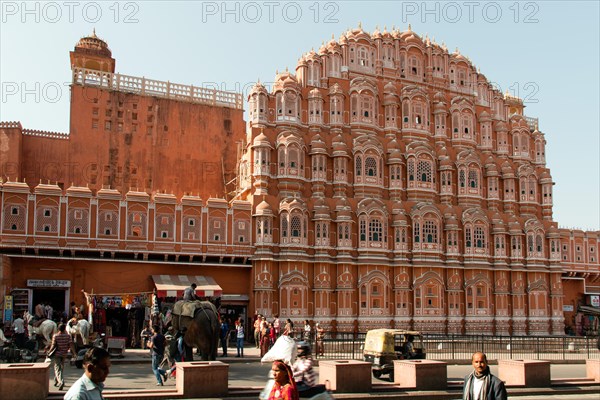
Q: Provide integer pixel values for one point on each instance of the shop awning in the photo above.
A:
(589, 310)
(174, 285)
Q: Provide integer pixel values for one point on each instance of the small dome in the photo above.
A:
(95, 44)
(317, 145)
(315, 93)
(263, 206)
(501, 127)
(390, 88)
(258, 88)
(484, 116)
(261, 140)
(376, 33)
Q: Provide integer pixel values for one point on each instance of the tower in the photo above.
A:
(91, 52)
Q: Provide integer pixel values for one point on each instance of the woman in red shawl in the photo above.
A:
(284, 387)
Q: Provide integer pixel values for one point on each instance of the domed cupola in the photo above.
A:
(91, 52)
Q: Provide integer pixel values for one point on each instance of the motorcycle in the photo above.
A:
(97, 342)
(13, 354)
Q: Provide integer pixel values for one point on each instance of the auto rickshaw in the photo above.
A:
(383, 346)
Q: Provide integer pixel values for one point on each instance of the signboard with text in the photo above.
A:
(595, 301)
(48, 283)
(8, 308)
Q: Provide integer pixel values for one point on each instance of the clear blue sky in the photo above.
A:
(543, 51)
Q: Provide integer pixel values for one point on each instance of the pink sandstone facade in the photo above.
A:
(384, 184)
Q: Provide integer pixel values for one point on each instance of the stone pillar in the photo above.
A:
(421, 374)
(24, 381)
(346, 376)
(202, 379)
(528, 373)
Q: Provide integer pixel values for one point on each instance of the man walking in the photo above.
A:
(96, 365)
(224, 335)
(157, 349)
(481, 384)
(62, 342)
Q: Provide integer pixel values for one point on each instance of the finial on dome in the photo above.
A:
(333, 36)
(409, 27)
(359, 25)
(94, 33)
(286, 69)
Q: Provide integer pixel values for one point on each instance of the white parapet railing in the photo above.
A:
(532, 122)
(151, 87)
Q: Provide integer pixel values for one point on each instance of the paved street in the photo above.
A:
(252, 374)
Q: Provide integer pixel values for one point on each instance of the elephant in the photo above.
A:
(201, 331)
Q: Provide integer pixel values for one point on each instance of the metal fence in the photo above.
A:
(461, 347)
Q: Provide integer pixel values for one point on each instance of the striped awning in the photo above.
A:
(174, 285)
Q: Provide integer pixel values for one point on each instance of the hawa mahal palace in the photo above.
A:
(385, 183)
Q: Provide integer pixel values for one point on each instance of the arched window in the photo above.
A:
(479, 237)
(358, 164)
(284, 225)
(424, 171)
(371, 166)
(430, 231)
(417, 232)
(375, 230)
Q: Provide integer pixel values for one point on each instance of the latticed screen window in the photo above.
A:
(411, 170)
(417, 232)
(375, 230)
(346, 231)
(479, 237)
(296, 226)
(473, 178)
(284, 226)
(461, 178)
(424, 171)
(363, 230)
(468, 240)
(371, 166)
(530, 243)
(538, 243)
(358, 166)
(430, 232)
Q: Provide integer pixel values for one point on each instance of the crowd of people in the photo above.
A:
(267, 332)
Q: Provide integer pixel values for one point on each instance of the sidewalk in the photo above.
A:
(134, 356)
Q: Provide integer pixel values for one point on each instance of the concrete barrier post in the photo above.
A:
(529, 373)
(592, 369)
(24, 381)
(421, 374)
(202, 379)
(346, 376)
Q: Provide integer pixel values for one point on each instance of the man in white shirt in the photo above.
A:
(481, 384)
(18, 326)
